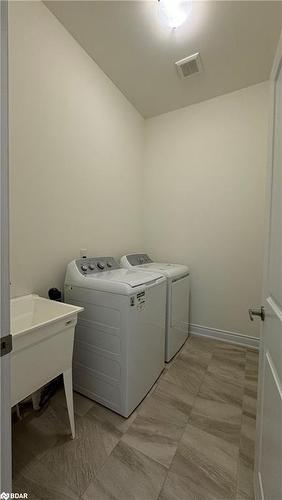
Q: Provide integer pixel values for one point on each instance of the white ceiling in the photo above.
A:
(236, 40)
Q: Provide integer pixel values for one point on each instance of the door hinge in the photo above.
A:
(6, 345)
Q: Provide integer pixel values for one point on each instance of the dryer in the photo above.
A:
(120, 336)
(177, 303)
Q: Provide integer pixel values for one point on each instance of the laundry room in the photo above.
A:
(143, 229)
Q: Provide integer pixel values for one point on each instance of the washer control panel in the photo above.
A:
(90, 265)
(137, 259)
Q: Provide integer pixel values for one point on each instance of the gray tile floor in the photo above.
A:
(192, 438)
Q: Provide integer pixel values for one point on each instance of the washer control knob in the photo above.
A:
(100, 265)
(84, 268)
(109, 264)
(92, 267)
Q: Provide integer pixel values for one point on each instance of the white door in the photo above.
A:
(5, 411)
(268, 467)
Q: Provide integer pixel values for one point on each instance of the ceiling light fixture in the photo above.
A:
(174, 13)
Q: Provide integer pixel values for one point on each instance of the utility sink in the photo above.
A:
(43, 334)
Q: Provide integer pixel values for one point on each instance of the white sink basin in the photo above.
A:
(31, 311)
(43, 335)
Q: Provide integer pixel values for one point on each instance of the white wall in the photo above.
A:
(76, 154)
(79, 176)
(204, 202)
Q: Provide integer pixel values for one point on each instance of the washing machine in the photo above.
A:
(120, 335)
(177, 303)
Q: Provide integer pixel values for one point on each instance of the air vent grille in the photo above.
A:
(189, 66)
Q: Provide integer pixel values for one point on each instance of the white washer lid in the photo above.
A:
(129, 277)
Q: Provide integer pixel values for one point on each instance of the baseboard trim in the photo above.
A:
(225, 336)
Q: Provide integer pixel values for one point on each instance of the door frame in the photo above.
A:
(5, 408)
(270, 157)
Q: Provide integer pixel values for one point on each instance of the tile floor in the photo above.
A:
(192, 438)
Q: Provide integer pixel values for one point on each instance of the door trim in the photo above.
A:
(5, 409)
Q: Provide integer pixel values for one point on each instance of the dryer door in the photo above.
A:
(179, 317)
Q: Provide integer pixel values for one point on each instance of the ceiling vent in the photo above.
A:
(189, 66)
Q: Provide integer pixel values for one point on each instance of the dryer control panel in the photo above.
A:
(137, 259)
(90, 265)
